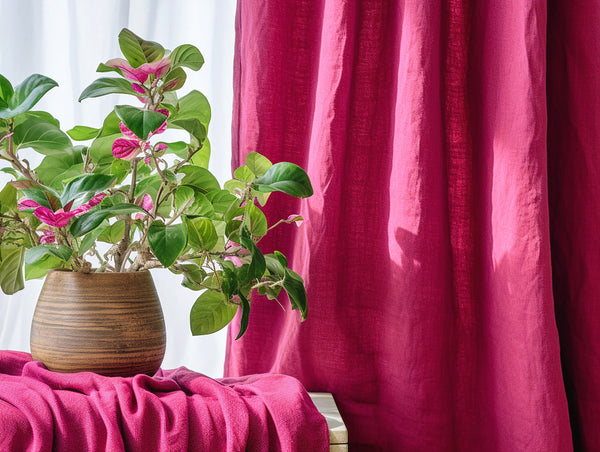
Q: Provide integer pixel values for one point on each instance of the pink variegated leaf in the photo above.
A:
(125, 149)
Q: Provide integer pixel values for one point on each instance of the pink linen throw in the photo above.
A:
(176, 410)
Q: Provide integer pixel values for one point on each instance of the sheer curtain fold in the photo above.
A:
(65, 40)
(426, 246)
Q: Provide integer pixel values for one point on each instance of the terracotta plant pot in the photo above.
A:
(108, 323)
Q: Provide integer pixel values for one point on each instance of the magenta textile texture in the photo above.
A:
(176, 410)
(426, 249)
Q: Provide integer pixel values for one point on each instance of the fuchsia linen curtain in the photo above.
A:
(454, 153)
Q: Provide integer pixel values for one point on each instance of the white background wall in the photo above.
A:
(65, 40)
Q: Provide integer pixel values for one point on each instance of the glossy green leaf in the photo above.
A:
(43, 115)
(184, 198)
(83, 133)
(193, 115)
(200, 178)
(245, 316)
(137, 50)
(42, 136)
(140, 122)
(37, 252)
(26, 95)
(112, 233)
(101, 148)
(285, 177)
(58, 167)
(167, 242)
(94, 218)
(174, 79)
(10, 171)
(202, 234)
(83, 187)
(11, 271)
(294, 286)
(6, 89)
(202, 157)
(106, 85)
(221, 200)
(193, 126)
(179, 148)
(211, 312)
(255, 220)
(90, 239)
(244, 174)
(258, 264)
(41, 197)
(186, 55)
(40, 267)
(258, 163)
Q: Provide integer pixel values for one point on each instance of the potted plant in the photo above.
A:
(93, 218)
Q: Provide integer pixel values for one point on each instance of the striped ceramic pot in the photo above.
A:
(108, 323)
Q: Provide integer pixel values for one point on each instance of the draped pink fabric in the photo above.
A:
(426, 249)
(174, 411)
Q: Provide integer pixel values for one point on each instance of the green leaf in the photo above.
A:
(137, 50)
(244, 174)
(255, 220)
(58, 167)
(187, 55)
(41, 197)
(258, 264)
(211, 312)
(94, 218)
(106, 85)
(294, 286)
(101, 147)
(120, 169)
(141, 122)
(40, 268)
(174, 79)
(193, 115)
(8, 199)
(198, 177)
(10, 171)
(113, 233)
(37, 115)
(26, 95)
(83, 133)
(167, 242)
(202, 234)
(258, 163)
(83, 187)
(184, 198)
(201, 207)
(37, 252)
(245, 316)
(90, 239)
(6, 89)
(287, 178)
(221, 200)
(11, 271)
(42, 136)
(202, 157)
(195, 128)
(179, 148)
(104, 68)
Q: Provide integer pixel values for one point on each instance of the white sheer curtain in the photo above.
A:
(65, 40)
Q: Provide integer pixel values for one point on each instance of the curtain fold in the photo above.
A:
(452, 150)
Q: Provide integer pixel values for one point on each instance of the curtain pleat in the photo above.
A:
(426, 248)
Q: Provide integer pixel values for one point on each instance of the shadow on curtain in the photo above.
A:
(446, 207)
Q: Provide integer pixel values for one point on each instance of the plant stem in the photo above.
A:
(123, 247)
